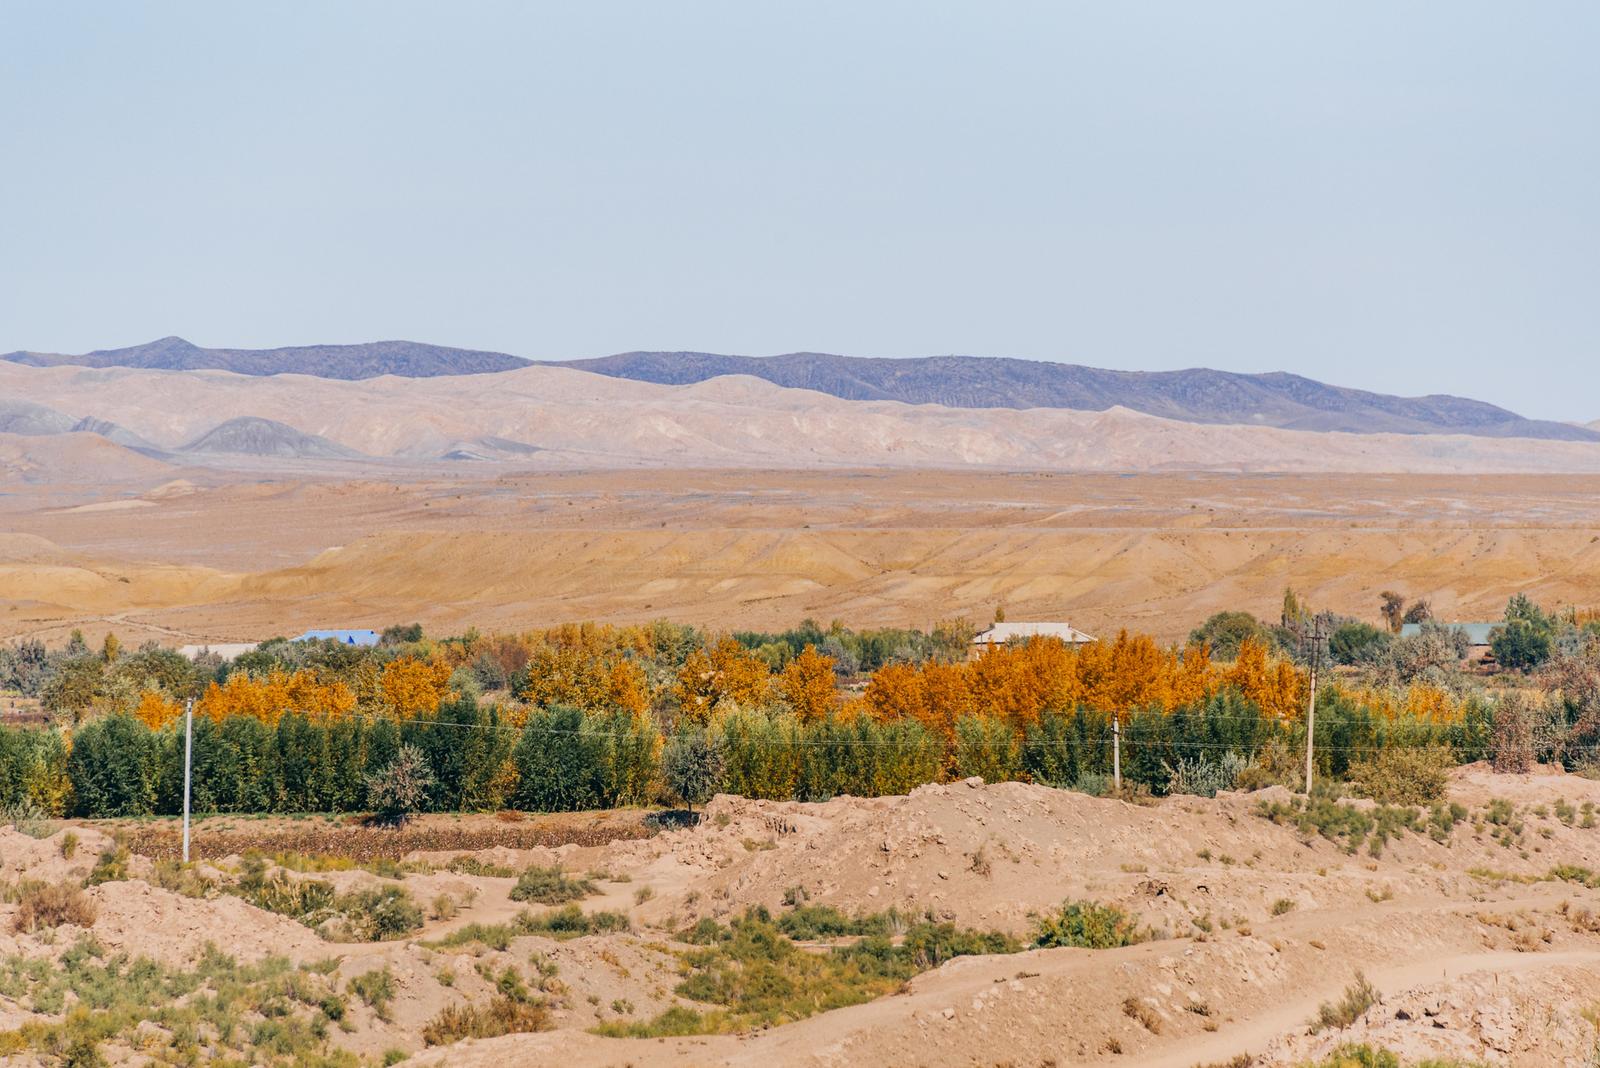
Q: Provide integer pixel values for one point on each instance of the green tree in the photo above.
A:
(693, 766)
(1356, 643)
(561, 764)
(113, 767)
(400, 790)
(1526, 638)
(1226, 631)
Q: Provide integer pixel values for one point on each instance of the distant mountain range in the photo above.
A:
(1194, 396)
(1199, 395)
(408, 359)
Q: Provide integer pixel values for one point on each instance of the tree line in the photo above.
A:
(562, 758)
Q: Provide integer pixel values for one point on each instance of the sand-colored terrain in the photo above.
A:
(1475, 950)
(557, 418)
(197, 554)
(545, 494)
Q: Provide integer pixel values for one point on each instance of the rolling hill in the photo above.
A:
(254, 436)
(555, 417)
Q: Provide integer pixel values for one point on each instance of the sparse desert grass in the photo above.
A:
(371, 914)
(568, 922)
(467, 864)
(1357, 998)
(218, 1011)
(1334, 820)
(757, 976)
(1148, 1018)
(503, 1015)
(42, 906)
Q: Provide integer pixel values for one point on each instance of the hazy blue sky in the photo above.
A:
(1400, 196)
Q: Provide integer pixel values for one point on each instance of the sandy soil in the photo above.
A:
(217, 556)
(1475, 951)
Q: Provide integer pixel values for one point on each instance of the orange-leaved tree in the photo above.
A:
(808, 685)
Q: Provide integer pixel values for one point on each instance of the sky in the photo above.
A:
(1397, 196)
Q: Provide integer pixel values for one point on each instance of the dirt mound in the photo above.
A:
(147, 921)
(999, 855)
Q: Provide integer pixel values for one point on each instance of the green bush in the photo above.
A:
(550, 886)
(376, 988)
(1088, 925)
(1403, 776)
(378, 914)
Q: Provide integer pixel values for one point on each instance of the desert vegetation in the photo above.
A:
(588, 717)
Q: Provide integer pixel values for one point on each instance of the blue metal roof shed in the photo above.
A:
(343, 637)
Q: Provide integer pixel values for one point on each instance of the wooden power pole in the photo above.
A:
(1311, 708)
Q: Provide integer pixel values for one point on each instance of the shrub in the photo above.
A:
(1088, 925)
(1364, 1056)
(112, 867)
(401, 788)
(1403, 776)
(28, 817)
(379, 914)
(376, 988)
(1512, 750)
(504, 1015)
(572, 922)
(1358, 997)
(1203, 776)
(550, 886)
(43, 906)
(761, 977)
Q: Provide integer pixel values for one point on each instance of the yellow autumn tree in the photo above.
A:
(808, 685)
(627, 688)
(156, 709)
(268, 697)
(413, 687)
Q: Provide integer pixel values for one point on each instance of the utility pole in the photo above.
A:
(1311, 709)
(188, 757)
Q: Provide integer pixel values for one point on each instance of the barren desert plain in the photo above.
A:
(201, 554)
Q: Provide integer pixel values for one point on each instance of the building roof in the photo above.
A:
(1477, 633)
(343, 637)
(1001, 633)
